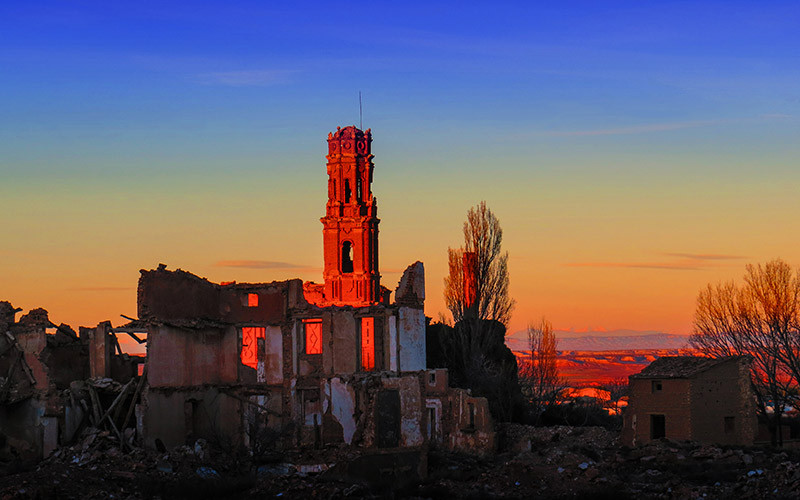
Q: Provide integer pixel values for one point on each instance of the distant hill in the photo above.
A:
(606, 341)
(596, 357)
(581, 368)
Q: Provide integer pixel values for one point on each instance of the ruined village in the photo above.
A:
(345, 389)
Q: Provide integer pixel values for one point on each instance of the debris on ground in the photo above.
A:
(544, 462)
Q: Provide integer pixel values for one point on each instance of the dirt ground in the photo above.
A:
(549, 462)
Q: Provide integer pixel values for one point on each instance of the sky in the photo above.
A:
(632, 151)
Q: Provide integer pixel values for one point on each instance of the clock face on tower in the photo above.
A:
(350, 225)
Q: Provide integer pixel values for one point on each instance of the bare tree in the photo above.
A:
(540, 381)
(476, 293)
(757, 319)
(617, 388)
(477, 284)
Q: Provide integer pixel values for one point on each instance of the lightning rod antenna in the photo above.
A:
(360, 124)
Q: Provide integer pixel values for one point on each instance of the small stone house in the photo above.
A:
(691, 398)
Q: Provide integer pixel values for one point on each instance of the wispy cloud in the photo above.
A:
(706, 256)
(261, 264)
(637, 129)
(101, 289)
(671, 266)
(246, 78)
(683, 262)
(663, 127)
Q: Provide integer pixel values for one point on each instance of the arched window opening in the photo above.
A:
(347, 191)
(358, 189)
(347, 257)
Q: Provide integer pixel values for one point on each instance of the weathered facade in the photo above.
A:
(691, 398)
(289, 364)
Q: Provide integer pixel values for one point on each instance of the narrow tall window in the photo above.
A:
(367, 344)
(431, 423)
(347, 191)
(250, 336)
(358, 188)
(347, 257)
(471, 409)
(313, 335)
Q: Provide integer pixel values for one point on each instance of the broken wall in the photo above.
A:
(36, 367)
(180, 357)
(467, 423)
(176, 295)
(178, 417)
(411, 339)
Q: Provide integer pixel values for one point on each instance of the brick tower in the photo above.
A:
(350, 225)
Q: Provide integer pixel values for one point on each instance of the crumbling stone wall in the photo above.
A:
(36, 368)
(287, 396)
(723, 408)
(176, 295)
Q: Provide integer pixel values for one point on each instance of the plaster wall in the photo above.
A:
(183, 358)
(411, 339)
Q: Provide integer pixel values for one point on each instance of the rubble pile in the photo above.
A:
(548, 462)
(588, 462)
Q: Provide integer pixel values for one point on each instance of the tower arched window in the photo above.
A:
(347, 257)
(347, 191)
(358, 189)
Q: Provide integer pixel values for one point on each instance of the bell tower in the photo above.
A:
(350, 225)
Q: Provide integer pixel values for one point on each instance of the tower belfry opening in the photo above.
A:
(347, 257)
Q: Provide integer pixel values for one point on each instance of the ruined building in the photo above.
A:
(289, 364)
(44, 401)
(691, 398)
(249, 366)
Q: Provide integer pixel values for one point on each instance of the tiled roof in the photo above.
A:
(681, 366)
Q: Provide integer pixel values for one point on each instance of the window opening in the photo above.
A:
(313, 335)
(730, 425)
(656, 386)
(347, 257)
(358, 189)
(347, 191)
(658, 426)
(794, 430)
(471, 408)
(252, 300)
(367, 344)
(432, 378)
(431, 422)
(250, 336)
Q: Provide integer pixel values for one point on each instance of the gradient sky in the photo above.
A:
(633, 151)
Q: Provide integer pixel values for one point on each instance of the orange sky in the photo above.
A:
(589, 255)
